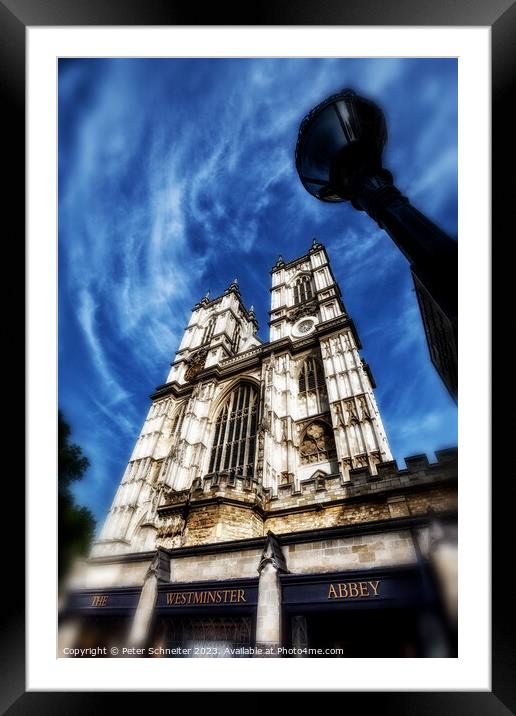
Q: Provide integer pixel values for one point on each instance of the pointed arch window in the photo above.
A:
(311, 376)
(234, 443)
(208, 331)
(177, 421)
(235, 343)
(303, 290)
(312, 385)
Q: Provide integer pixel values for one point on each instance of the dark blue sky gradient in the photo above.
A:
(175, 176)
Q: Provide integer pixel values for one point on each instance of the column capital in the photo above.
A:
(272, 554)
(159, 567)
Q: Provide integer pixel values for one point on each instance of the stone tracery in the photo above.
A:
(317, 444)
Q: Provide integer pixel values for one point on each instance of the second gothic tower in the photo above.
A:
(304, 294)
(320, 389)
(218, 329)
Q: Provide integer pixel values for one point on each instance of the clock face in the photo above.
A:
(305, 326)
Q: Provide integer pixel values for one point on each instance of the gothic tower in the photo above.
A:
(239, 419)
(321, 390)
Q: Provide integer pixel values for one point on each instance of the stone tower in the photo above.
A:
(239, 420)
(321, 391)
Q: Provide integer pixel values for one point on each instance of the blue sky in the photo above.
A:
(177, 175)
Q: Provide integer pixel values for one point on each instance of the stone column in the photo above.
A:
(268, 617)
(444, 560)
(436, 547)
(299, 635)
(159, 571)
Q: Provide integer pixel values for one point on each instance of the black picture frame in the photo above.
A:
(500, 16)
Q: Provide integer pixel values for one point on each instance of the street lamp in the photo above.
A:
(339, 158)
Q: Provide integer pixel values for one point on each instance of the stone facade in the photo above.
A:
(261, 461)
(317, 422)
(421, 491)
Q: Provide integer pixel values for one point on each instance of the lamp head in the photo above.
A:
(340, 142)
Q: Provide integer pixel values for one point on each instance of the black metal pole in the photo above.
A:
(433, 259)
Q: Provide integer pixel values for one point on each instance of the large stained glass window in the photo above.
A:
(234, 443)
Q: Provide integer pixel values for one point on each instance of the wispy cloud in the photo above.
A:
(177, 175)
(86, 315)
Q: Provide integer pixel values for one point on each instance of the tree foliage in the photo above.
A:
(76, 524)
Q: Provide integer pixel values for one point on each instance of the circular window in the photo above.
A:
(305, 326)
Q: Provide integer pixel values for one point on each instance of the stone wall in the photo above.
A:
(328, 517)
(418, 472)
(382, 507)
(221, 522)
(107, 574)
(227, 565)
(359, 552)
(384, 549)
(217, 511)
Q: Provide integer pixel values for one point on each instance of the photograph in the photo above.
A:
(257, 357)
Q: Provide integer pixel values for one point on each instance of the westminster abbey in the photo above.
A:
(261, 512)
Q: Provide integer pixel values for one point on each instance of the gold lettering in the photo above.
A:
(353, 589)
(376, 587)
(332, 594)
(364, 592)
(343, 591)
(99, 600)
(201, 597)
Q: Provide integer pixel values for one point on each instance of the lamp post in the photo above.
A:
(339, 158)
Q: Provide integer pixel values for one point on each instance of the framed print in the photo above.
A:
(265, 510)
